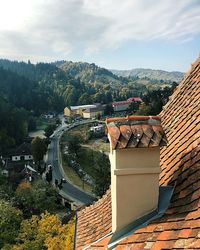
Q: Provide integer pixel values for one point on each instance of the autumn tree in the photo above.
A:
(36, 198)
(45, 232)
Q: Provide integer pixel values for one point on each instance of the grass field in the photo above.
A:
(86, 156)
(74, 178)
(42, 123)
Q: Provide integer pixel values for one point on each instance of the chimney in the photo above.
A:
(135, 143)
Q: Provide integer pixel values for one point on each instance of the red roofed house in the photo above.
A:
(151, 205)
(124, 105)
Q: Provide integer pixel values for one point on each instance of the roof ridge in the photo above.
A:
(132, 118)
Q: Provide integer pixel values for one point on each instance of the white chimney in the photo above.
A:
(135, 166)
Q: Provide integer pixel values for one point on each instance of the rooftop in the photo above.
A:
(23, 149)
(83, 106)
(179, 227)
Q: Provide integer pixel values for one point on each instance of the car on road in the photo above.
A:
(63, 180)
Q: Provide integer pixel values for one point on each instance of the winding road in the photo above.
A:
(68, 191)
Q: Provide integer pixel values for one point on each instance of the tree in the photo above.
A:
(49, 130)
(102, 174)
(39, 149)
(74, 144)
(108, 109)
(35, 198)
(31, 124)
(143, 109)
(49, 175)
(45, 232)
(10, 219)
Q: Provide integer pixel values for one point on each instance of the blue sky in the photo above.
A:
(111, 33)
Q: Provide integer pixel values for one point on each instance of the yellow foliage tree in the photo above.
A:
(46, 232)
(24, 185)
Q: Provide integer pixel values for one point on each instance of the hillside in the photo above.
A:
(89, 73)
(62, 83)
(151, 74)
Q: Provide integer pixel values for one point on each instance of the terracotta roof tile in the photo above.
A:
(94, 222)
(134, 131)
(179, 228)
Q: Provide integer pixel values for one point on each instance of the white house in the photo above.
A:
(22, 153)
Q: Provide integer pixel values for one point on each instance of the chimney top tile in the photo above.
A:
(135, 131)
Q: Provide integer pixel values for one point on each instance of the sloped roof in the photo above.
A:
(94, 109)
(135, 132)
(23, 149)
(179, 228)
(94, 222)
(134, 99)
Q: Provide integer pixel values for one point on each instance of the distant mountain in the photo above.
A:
(151, 74)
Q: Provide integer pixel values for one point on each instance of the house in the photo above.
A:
(85, 111)
(97, 129)
(124, 105)
(22, 153)
(90, 113)
(121, 106)
(103, 225)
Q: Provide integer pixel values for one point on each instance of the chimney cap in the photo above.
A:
(136, 132)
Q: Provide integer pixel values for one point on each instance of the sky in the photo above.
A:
(115, 34)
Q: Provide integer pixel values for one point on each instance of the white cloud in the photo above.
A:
(56, 28)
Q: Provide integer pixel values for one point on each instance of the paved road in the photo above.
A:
(68, 191)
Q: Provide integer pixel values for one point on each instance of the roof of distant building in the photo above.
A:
(85, 106)
(23, 149)
(93, 109)
(128, 101)
(120, 103)
(134, 99)
(179, 227)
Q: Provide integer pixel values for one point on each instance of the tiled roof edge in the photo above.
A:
(95, 203)
(132, 118)
(187, 74)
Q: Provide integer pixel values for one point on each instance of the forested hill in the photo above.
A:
(56, 85)
(151, 74)
(90, 73)
(36, 72)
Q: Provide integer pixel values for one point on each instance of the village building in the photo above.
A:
(22, 153)
(154, 200)
(49, 116)
(85, 111)
(124, 105)
(97, 129)
(90, 113)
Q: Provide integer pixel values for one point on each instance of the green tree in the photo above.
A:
(74, 144)
(39, 149)
(36, 198)
(49, 130)
(143, 109)
(10, 219)
(102, 174)
(49, 176)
